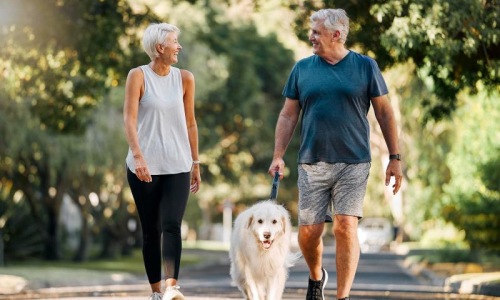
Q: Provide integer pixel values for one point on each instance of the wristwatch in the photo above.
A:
(395, 156)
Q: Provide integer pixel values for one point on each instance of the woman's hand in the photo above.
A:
(141, 169)
(195, 178)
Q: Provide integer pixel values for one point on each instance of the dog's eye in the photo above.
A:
(260, 221)
(274, 221)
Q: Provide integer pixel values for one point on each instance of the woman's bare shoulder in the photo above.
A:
(187, 75)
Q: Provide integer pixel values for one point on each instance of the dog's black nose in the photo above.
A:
(267, 235)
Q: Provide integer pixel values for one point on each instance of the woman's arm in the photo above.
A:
(188, 84)
(134, 89)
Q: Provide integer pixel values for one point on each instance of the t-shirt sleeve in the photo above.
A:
(377, 86)
(291, 87)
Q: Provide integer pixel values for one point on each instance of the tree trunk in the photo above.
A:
(81, 252)
(52, 251)
(1, 250)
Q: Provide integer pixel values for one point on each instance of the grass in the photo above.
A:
(454, 256)
(130, 264)
(41, 273)
(451, 261)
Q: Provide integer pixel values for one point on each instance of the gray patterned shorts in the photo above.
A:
(323, 186)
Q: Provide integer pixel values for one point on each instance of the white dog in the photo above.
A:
(260, 251)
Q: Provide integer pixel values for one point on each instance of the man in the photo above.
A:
(333, 88)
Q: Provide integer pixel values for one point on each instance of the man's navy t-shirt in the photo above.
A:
(335, 100)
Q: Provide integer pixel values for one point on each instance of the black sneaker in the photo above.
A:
(316, 288)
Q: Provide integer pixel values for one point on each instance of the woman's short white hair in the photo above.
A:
(155, 34)
(333, 19)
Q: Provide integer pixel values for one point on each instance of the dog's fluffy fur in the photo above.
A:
(260, 251)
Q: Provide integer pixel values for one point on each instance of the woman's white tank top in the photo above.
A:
(161, 124)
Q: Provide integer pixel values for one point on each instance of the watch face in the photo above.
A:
(395, 156)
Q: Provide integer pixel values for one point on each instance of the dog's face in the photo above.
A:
(267, 224)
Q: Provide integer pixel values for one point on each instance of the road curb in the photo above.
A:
(10, 284)
(475, 283)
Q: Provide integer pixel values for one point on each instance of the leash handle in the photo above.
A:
(276, 184)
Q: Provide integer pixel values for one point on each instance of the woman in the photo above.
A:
(162, 161)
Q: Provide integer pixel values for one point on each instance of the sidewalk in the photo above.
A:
(80, 283)
(465, 282)
(85, 284)
(131, 292)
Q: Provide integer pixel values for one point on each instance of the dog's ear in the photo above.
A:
(250, 221)
(283, 224)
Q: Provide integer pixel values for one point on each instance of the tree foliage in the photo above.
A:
(251, 95)
(454, 44)
(57, 92)
(238, 114)
(472, 194)
(59, 60)
(452, 48)
(62, 56)
(61, 128)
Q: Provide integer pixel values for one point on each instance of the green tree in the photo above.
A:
(240, 72)
(453, 43)
(64, 55)
(473, 193)
(239, 117)
(425, 145)
(58, 61)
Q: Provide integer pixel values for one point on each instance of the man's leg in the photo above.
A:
(311, 245)
(347, 252)
(315, 183)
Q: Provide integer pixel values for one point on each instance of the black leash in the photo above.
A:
(276, 184)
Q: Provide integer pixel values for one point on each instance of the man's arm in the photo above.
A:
(387, 121)
(285, 127)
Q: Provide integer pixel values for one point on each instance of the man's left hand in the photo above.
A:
(394, 169)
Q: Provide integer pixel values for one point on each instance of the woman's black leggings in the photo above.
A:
(161, 205)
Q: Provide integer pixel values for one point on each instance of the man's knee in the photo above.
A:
(345, 227)
(308, 233)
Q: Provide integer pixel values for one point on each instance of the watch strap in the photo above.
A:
(395, 156)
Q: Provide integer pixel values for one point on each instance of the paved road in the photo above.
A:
(379, 276)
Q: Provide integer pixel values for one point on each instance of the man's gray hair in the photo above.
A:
(333, 19)
(155, 34)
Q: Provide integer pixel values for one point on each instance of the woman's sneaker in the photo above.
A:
(316, 288)
(173, 293)
(155, 296)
